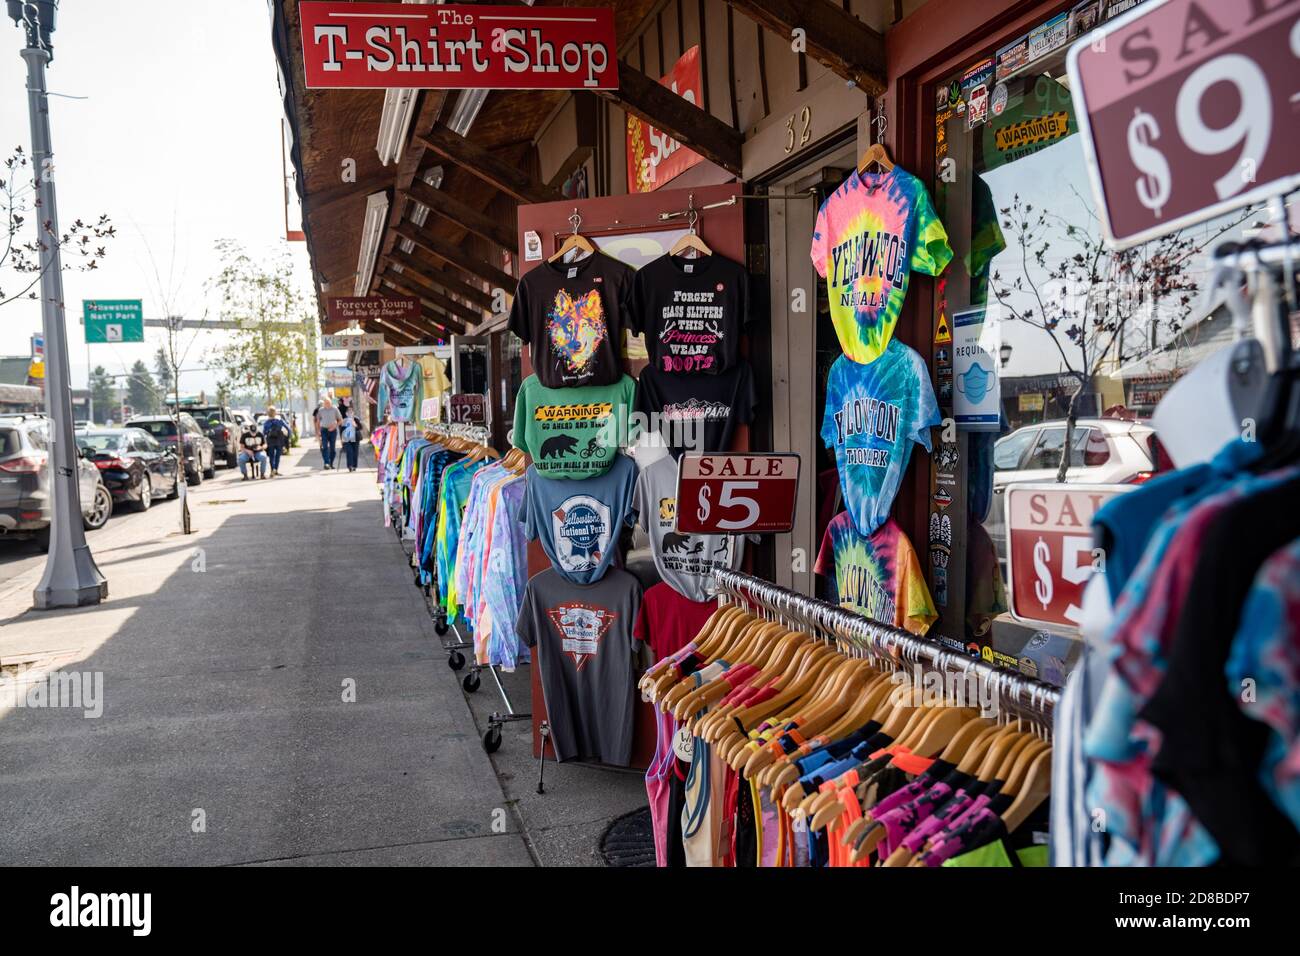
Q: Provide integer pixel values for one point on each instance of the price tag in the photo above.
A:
(1187, 111)
(683, 744)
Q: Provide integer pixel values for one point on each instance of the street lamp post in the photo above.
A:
(71, 578)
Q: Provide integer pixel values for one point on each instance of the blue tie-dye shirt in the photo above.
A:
(874, 414)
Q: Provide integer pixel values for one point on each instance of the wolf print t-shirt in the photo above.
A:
(696, 412)
(684, 561)
(870, 234)
(878, 575)
(573, 315)
(874, 415)
(579, 522)
(573, 432)
(692, 312)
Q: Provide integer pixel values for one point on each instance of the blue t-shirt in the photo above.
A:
(874, 414)
(578, 521)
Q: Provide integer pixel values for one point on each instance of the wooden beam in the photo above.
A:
(411, 163)
(389, 326)
(504, 234)
(662, 108)
(326, 199)
(835, 38)
(430, 273)
(487, 166)
(456, 256)
(406, 284)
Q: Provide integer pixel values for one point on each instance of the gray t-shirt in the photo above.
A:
(327, 418)
(578, 522)
(583, 636)
(685, 561)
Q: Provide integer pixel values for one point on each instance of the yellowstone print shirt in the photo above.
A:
(877, 575)
(870, 234)
(874, 414)
(572, 316)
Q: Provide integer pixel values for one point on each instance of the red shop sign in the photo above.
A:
(1188, 110)
(1049, 543)
(736, 493)
(457, 46)
(654, 157)
(360, 309)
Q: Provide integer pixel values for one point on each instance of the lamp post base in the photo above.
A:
(77, 586)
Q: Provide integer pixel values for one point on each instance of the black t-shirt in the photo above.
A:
(573, 315)
(697, 412)
(692, 312)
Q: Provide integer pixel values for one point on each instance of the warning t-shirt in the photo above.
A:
(696, 412)
(585, 655)
(578, 523)
(573, 432)
(573, 316)
(685, 561)
(870, 233)
(878, 576)
(692, 312)
(874, 414)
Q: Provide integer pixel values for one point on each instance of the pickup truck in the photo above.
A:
(219, 424)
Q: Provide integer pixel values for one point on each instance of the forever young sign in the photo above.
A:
(457, 46)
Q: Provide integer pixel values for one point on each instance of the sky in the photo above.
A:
(177, 140)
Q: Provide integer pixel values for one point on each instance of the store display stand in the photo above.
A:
(471, 683)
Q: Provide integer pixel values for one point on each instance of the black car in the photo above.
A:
(196, 448)
(25, 481)
(133, 464)
(219, 423)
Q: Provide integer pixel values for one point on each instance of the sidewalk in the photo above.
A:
(225, 737)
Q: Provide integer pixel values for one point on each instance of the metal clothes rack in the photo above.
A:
(1015, 694)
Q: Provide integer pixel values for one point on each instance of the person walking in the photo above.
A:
(350, 435)
(276, 432)
(327, 422)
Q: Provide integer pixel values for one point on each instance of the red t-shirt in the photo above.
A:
(667, 621)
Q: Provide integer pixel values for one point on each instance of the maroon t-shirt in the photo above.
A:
(667, 622)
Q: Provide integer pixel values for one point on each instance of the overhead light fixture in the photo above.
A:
(372, 234)
(395, 121)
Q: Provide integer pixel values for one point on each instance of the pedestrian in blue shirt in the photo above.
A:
(350, 435)
(276, 431)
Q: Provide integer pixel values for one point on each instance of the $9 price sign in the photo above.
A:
(1189, 109)
(736, 493)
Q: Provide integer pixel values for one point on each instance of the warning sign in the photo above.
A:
(943, 334)
(1029, 132)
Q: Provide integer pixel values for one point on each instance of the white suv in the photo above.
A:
(1107, 451)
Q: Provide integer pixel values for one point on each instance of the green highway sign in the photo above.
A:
(113, 320)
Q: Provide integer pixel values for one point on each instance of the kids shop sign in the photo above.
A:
(457, 46)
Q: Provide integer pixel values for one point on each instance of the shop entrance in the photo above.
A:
(803, 347)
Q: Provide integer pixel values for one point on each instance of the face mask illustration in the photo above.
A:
(974, 384)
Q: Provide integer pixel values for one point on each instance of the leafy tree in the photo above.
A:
(102, 393)
(141, 392)
(83, 244)
(274, 351)
(1102, 308)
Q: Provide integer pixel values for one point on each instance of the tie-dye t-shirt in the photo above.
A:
(877, 576)
(573, 315)
(874, 414)
(870, 234)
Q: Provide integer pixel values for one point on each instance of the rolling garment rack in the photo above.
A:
(1016, 695)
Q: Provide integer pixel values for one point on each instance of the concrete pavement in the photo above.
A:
(273, 693)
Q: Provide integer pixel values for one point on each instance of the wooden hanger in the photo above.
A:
(1036, 788)
(875, 153)
(692, 238)
(575, 240)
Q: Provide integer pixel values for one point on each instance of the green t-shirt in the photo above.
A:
(573, 432)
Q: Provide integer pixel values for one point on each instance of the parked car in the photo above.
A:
(25, 494)
(134, 466)
(219, 424)
(196, 449)
(1106, 451)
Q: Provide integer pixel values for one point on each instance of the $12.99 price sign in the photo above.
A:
(1050, 548)
(1188, 109)
(737, 493)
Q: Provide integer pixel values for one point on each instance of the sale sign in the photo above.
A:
(654, 157)
(469, 408)
(1188, 110)
(736, 493)
(457, 46)
(1050, 548)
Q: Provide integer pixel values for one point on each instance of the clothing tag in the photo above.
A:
(799, 824)
(1040, 838)
(683, 744)
(688, 267)
(573, 273)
